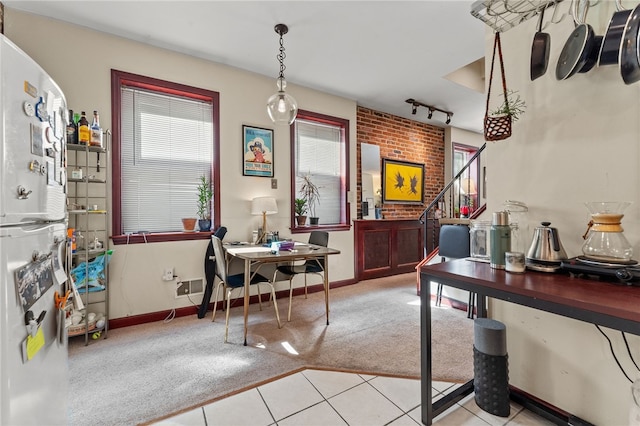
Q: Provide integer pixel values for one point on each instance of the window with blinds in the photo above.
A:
(319, 147)
(166, 145)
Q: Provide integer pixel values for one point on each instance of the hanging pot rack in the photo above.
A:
(502, 15)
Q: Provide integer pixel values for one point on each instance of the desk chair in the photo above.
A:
(210, 272)
(454, 244)
(311, 266)
(232, 282)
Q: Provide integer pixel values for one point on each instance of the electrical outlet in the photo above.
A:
(168, 274)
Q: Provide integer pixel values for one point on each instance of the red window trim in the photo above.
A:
(121, 78)
(345, 213)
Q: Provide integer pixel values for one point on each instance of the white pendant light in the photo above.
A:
(282, 107)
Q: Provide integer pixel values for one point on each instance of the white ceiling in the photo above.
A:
(378, 53)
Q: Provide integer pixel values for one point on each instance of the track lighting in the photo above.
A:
(415, 104)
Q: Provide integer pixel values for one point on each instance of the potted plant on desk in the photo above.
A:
(311, 194)
(301, 210)
(205, 194)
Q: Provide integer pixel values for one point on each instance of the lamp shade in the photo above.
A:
(468, 186)
(266, 205)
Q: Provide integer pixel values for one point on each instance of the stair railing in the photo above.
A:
(446, 198)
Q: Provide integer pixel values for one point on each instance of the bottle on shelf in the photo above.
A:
(72, 129)
(84, 133)
(71, 234)
(96, 131)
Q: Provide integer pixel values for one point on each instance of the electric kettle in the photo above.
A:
(546, 252)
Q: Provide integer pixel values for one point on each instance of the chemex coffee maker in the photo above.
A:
(605, 252)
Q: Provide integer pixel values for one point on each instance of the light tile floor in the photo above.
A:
(318, 397)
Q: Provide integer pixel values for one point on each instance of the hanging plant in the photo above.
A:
(512, 105)
(497, 126)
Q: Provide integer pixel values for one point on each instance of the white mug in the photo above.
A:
(514, 261)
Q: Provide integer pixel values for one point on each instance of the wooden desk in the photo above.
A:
(258, 255)
(612, 305)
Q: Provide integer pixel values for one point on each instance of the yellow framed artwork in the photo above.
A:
(402, 182)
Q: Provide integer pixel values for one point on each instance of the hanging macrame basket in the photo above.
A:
(497, 127)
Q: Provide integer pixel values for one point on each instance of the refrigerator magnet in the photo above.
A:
(51, 172)
(29, 109)
(37, 144)
(30, 89)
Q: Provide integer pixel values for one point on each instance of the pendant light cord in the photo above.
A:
(281, 56)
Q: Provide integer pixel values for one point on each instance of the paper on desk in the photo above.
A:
(254, 249)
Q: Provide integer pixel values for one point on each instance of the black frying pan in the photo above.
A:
(540, 50)
(577, 48)
(592, 57)
(629, 64)
(610, 50)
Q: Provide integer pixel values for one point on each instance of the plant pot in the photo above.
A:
(313, 220)
(204, 225)
(301, 220)
(189, 224)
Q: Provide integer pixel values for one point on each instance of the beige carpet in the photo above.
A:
(144, 372)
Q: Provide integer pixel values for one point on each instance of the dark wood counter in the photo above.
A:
(387, 246)
(609, 304)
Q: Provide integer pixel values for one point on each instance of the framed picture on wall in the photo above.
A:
(257, 151)
(402, 182)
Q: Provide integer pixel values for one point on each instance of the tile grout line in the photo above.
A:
(266, 405)
(312, 405)
(327, 399)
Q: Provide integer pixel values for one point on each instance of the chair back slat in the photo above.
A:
(454, 241)
(221, 264)
(318, 238)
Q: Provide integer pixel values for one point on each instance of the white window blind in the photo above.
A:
(319, 155)
(166, 145)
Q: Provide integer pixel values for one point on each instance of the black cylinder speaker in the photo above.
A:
(490, 367)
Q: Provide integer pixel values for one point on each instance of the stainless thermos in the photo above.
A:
(500, 242)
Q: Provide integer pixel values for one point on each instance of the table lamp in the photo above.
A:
(263, 206)
(468, 189)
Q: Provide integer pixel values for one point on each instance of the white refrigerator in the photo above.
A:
(33, 343)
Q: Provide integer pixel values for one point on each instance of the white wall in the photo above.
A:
(577, 142)
(80, 60)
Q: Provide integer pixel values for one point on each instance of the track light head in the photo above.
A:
(414, 109)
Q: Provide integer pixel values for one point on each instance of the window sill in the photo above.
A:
(158, 237)
(309, 228)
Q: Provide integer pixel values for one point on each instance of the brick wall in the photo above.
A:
(406, 140)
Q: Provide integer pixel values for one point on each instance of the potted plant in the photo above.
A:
(301, 210)
(512, 105)
(205, 194)
(311, 195)
(189, 224)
